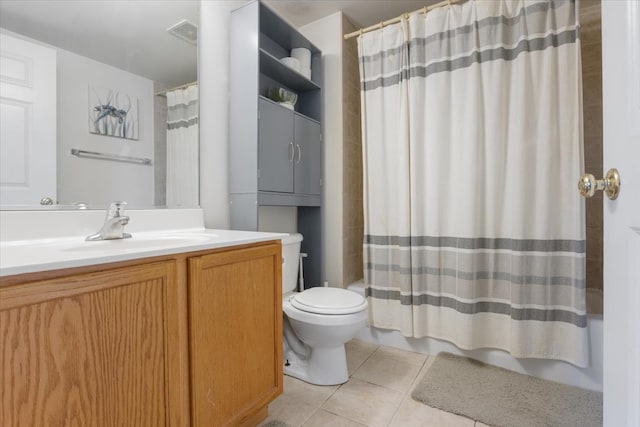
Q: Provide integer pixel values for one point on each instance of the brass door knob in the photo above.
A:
(610, 184)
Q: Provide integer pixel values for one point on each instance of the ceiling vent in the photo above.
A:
(185, 30)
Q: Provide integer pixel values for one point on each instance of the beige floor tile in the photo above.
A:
(363, 402)
(415, 414)
(322, 418)
(305, 392)
(395, 373)
(479, 424)
(298, 401)
(289, 410)
(357, 352)
(401, 355)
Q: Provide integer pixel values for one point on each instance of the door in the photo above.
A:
(308, 151)
(27, 122)
(621, 127)
(275, 148)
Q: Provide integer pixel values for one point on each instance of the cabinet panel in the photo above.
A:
(235, 301)
(86, 349)
(308, 152)
(275, 148)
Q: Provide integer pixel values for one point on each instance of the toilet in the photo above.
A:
(317, 323)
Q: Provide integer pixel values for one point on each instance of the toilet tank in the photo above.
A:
(290, 261)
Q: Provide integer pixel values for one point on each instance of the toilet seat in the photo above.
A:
(328, 301)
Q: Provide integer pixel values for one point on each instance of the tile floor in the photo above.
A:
(378, 393)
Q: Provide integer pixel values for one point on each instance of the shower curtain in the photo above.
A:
(472, 145)
(182, 147)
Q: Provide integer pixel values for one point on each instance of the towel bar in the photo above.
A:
(113, 157)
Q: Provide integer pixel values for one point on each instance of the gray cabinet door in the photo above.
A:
(308, 156)
(275, 148)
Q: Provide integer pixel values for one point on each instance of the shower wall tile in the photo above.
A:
(591, 57)
(592, 87)
(591, 42)
(353, 218)
(590, 22)
(594, 219)
(593, 126)
(594, 246)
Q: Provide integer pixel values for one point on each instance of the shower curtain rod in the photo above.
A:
(164, 92)
(399, 18)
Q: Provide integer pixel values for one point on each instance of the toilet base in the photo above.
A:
(324, 366)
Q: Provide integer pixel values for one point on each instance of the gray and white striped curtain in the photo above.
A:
(472, 144)
(182, 147)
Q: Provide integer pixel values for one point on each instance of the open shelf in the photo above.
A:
(295, 111)
(272, 67)
(281, 32)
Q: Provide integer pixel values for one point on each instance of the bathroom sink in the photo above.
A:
(49, 253)
(142, 241)
(179, 234)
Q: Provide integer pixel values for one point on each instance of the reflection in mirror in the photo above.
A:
(99, 102)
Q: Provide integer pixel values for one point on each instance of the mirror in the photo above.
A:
(88, 111)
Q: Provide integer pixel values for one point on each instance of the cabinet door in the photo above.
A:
(308, 156)
(275, 148)
(87, 349)
(235, 330)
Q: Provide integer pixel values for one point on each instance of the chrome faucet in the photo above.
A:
(114, 222)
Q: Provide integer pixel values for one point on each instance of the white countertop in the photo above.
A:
(44, 251)
(29, 256)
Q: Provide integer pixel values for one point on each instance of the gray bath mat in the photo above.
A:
(499, 397)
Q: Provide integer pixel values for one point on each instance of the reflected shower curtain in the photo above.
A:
(182, 147)
(472, 144)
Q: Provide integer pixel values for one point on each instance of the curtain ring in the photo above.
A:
(449, 1)
(380, 25)
(361, 32)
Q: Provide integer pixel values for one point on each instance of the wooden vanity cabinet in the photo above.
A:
(87, 349)
(191, 339)
(235, 334)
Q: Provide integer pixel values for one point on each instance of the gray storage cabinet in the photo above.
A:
(275, 153)
(289, 151)
(307, 153)
(276, 148)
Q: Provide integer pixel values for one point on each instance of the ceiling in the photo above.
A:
(131, 34)
(362, 13)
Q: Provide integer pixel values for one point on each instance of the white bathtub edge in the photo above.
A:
(563, 372)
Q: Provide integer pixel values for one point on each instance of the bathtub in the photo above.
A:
(563, 372)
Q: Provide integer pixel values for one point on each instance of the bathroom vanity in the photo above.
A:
(183, 331)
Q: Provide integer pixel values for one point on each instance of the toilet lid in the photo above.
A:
(329, 301)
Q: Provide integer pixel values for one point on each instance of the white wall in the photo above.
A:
(94, 181)
(326, 34)
(213, 75)
(278, 219)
